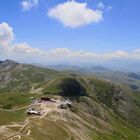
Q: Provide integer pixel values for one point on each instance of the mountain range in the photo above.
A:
(106, 103)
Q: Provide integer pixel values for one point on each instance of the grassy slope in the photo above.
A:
(104, 92)
(101, 90)
(7, 117)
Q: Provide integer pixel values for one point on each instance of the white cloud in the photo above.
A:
(28, 4)
(100, 5)
(6, 34)
(120, 53)
(137, 51)
(24, 48)
(7, 47)
(74, 14)
(83, 55)
(24, 51)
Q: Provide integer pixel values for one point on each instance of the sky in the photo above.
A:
(46, 31)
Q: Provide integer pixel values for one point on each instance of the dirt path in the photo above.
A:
(13, 110)
(27, 122)
(46, 109)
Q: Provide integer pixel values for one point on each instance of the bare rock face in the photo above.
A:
(121, 101)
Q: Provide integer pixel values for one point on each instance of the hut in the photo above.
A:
(45, 99)
(32, 111)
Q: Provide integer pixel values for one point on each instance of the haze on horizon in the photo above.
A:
(101, 32)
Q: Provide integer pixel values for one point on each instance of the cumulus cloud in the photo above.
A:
(24, 48)
(28, 4)
(8, 47)
(6, 34)
(65, 53)
(24, 51)
(74, 14)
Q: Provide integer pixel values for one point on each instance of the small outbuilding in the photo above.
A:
(63, 106)
(45, 99)
(32, 111)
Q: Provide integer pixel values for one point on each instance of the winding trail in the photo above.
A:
(27, 122)
(16, 109)
(46, 108)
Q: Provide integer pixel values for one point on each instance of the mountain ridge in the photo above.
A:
(101, 109)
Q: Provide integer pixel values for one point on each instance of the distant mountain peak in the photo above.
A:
(8, 62)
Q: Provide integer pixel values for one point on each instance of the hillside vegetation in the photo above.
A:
(101, 110)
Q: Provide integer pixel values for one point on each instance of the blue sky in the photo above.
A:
(117, 30)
